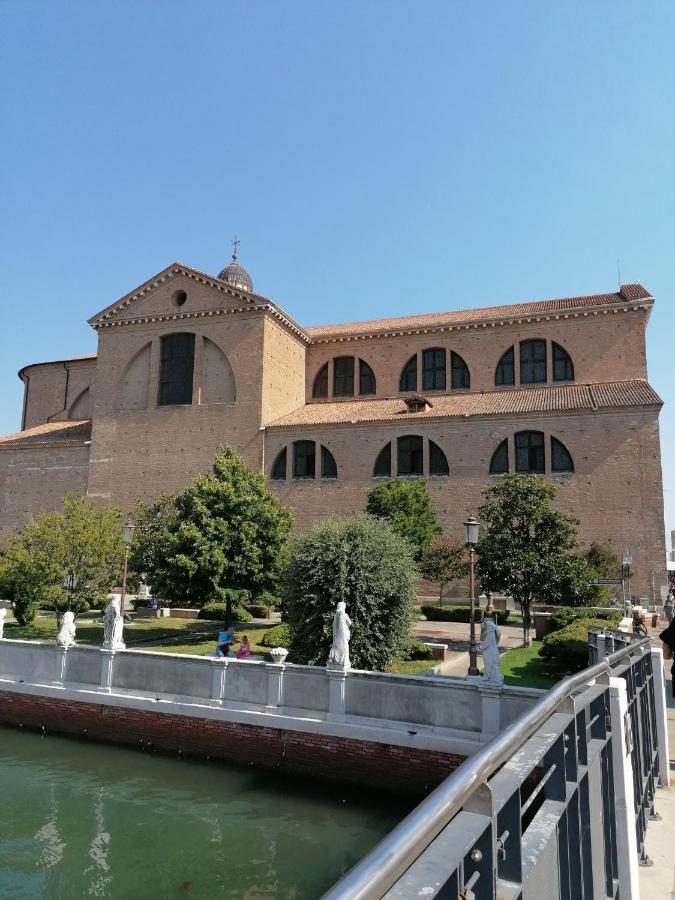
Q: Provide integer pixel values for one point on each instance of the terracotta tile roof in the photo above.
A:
(506, 402)
(51, 433)
(58, 362)
(628, 293)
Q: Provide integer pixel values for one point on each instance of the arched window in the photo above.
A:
(279, 467)
(366, 379)
(382, 467)
(410, 455)
(408, 380)
(304, 459)
(433, 369)
(533, 362)
(459, 372)
(499, 464)
(343, 376)
(320, 388)
(438, 461)
(177, 359)
(505, 372)
(328, 466)
(563, 368)
(561, 458)
(530, 452)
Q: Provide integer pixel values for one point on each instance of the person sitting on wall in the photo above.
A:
(245, 650)
(225, 641)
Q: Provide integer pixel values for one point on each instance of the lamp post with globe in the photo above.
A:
(471, 529)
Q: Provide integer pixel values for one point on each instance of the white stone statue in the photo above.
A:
(338, 658)
(3, 613)
(490, 637)
(66, 635)
(113, 625)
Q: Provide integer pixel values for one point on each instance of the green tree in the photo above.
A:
(64, 560)
(444, 561)
(406, 505)
(363, 562)
(226, 530)
(527, 548)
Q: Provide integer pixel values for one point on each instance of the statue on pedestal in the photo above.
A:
(3, 613)
(338, 658)
(66, 636)
(113, 626)
(490, 637)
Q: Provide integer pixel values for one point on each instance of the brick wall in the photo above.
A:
(409, 771)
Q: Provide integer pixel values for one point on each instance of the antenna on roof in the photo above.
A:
(235, 244)
(618, 267)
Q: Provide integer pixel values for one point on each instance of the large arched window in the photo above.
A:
(563, 368)
(320, 388)
(304, 459)
(366, 379)
(328, 465)
(533, 362)
(459, 372)
(499, 464)
(343, 376)
(408, 380)
(382, 468)
(561, 458)
(411, 455)
(433, 369)
(438, 461)
(279, 466)
(176, 368)
(530, 452)
(505, 371)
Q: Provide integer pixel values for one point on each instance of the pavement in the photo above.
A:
(657, 882)
(455, 635)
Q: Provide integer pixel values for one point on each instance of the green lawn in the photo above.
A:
(524, 667)
(411, 666)
(89, 632)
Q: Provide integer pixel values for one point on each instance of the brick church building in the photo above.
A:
(188, 362)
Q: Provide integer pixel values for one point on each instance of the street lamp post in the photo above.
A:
(127, 536)
(471, 538)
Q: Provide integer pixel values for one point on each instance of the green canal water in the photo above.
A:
(88, 820)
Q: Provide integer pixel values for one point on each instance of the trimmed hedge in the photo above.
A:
(217, 609)
(461, 614)
(415, 649)
(607, 617)
(279, 636)
(568, 647)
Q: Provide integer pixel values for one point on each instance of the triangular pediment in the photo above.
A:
(178, 289)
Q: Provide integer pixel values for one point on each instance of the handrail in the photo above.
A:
(371, 878)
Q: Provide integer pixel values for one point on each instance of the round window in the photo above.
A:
(178, 298)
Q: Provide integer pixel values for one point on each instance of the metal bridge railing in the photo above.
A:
(533, 814)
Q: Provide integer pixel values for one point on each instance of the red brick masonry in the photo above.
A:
(385, 766)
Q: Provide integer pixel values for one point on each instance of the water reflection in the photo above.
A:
(86, 820)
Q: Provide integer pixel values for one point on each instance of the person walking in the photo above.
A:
(668, 607)
(668, 638)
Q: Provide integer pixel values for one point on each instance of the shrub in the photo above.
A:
(365, 563)
(568, 648)
(610, 618)
(415, 649)
(451, 613)
(263, 605)
(217, 610)
(279, 636)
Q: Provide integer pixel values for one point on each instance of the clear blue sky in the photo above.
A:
(375, 158)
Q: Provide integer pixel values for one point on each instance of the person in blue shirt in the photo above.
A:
(225, 642)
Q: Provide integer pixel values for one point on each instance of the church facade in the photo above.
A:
(189, 362)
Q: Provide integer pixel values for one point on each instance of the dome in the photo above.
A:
(236, 275)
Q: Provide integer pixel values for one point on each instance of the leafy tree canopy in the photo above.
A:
(406, 505)
(527, 548)
(365, 563)
(64, 560)
(226, 530)
(444, 561)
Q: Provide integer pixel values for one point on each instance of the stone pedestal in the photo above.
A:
(275, 684)
(219, 674)
(107, 664)
(337, 681)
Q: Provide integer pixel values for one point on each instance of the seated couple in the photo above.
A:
(227, 640)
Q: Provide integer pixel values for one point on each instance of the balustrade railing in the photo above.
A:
(555, 806)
